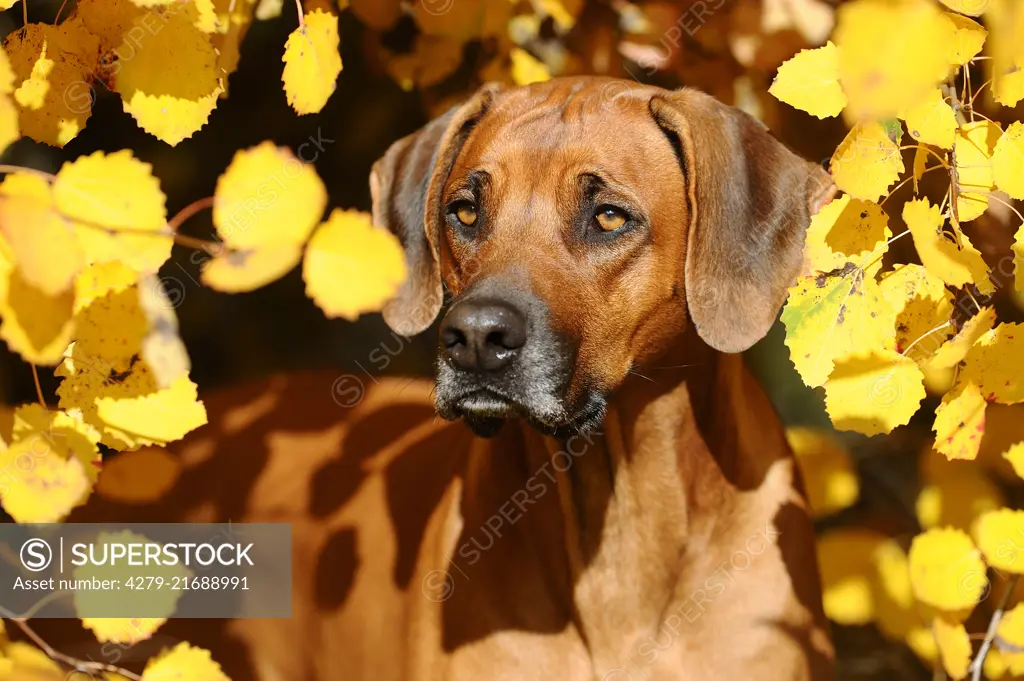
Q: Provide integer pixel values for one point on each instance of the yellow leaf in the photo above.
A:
(41, 485)
(923, 308)
(1001, 539)
(972, 149)
(111, 196)
(810, 82)
(1015, 455)
(43, 244)
(31, 94)
(955, 265)
(847, 230)
(950, 354)
(954, 496)
(890, 55)
(995, 363)
(867, 162)
(972, 7)
(61, 433)
(932, 121)
(1008, 161)
(845, 560)
(169, 98)
(53, 108)
(968, 37)
(526, 68)
(241, 271)
(954, 647)
(829, 476)
(35, 325)
(312, 63)
(830, 315)
(99, 280)
(267, 198)
(960, 424)
(946, 570)
(31, 662)
(873, 393)
(159, 602)
(184, 662)
(352, 267)
(139, 477)
(156, 419)
(564, 17)
(123, 630)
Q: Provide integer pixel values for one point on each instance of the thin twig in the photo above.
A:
(91, 668)
(39, 388)
(977, 666)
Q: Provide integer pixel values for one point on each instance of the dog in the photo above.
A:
(623, 505)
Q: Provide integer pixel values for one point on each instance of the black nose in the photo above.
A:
(480, 335)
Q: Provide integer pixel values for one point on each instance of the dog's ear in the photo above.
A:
(750, 202)
(406, 187)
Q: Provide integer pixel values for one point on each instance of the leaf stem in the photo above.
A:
(39, 388)
(302, 22)
(91, 668)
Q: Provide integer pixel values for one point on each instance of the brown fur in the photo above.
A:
(673, 544)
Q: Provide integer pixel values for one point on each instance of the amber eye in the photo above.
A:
(610, 219)
(466, 213)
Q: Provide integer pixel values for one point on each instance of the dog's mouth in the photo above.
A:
(486, 409)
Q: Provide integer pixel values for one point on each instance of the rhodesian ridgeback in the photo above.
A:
(626, 507)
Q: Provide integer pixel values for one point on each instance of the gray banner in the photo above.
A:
(146, 570)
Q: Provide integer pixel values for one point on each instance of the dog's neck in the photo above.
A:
(629, 504)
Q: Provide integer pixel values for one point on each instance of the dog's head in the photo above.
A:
(579, 225)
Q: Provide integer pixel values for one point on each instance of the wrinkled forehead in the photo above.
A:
(543, 135)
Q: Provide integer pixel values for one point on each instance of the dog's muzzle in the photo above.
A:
(499, 359)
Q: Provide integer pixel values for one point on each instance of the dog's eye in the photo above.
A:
(610, 218)
(466, 213)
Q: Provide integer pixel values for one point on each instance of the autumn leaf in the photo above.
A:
(954, 647)
(957, 265)
(1008, 161)
(954, 350)
(810, 82)
(312, 62)
(923, 309)
(932, 121)
(999, 534)
(867, 162)
(267, 198)
(118, 209)
(946, 570)
(968, 37)
(995, 363)
(526, 68)
(241, 271)
(973, 148)
(183, 662)
(873, 392)
(352, 267)
(844, 557)
(847, 230)
(829, 316)
(960, 424)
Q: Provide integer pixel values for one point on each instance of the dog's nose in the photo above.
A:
(482, 335)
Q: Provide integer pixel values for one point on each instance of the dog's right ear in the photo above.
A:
(406, 186)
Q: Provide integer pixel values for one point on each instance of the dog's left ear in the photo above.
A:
(750, 202)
